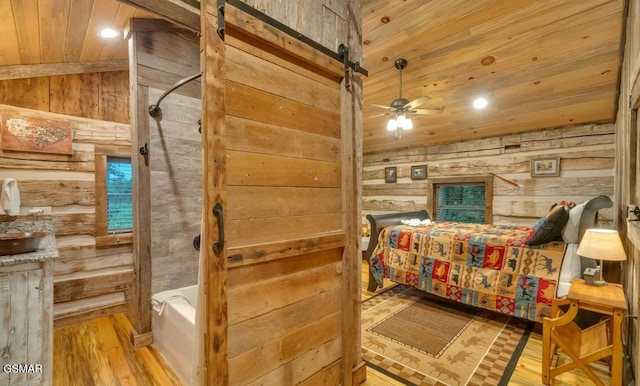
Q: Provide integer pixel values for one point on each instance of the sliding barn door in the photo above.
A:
(280, 181)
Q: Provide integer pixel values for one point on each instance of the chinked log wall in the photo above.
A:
(88, 280)
(587, 157)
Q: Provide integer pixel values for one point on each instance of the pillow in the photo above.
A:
(570, 234)
(549, 228)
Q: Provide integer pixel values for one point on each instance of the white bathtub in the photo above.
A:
(174, 326)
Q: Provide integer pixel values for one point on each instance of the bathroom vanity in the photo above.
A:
(26, 309)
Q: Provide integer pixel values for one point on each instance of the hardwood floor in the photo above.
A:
(528, 369)
(98, 352)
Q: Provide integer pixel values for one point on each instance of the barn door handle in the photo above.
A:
(219, 245)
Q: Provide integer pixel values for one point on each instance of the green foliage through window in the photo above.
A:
(119, 200)
(461, 203)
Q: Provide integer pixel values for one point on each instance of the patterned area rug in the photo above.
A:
(422, 339)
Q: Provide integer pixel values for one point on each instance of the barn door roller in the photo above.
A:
(341, 55)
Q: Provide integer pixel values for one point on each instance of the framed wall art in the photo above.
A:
(419, 172)
(390, 174)
(22, 133)
(545, 167)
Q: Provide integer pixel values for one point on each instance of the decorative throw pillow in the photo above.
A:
(549, 228)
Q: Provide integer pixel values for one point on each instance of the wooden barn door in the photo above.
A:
(279, 171)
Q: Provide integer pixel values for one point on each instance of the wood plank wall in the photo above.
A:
(587, 157)
(103, 96)
(176, 191)
(278, 171)
(160, 56)
(89, 281)
(628, 172)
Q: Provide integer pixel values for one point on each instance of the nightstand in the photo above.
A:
(591, 344)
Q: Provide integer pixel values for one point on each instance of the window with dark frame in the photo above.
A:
(119, 195)
(460, 203)
(462, 199)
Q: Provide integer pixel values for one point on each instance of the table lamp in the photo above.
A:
(601, 244)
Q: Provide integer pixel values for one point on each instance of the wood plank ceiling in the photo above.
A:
(34, 32)
(541, 63)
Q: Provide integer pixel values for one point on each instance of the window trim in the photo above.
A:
(488, 192)
(103, 238)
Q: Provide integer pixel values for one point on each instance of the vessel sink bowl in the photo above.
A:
(20, 242)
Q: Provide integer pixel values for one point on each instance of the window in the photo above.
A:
(119, 202)
(464, 199)
(114, 204)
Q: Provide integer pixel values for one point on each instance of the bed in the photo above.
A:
(482, 265)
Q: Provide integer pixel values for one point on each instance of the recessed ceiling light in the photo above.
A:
(108, 33)
(480, 103)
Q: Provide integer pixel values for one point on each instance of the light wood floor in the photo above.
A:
(98, 352)
(528, 369)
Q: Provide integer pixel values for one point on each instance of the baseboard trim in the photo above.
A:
(359, 374)
(141, 340)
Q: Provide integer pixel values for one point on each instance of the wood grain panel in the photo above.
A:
(270, 170)
(25, 14)
(281, 201)
(246, 102)
(76, 95)
(57, 193)
(82, 258)
(76, 286)
(157, 50)
(30, 93)
(255, 231)
(57, 14)
(305, 366)
(255, 363)
(255, 332)
(251, 70)
(114, 101)
(259, 137)
(252, 273)
(278, 292)
(75, 224)
(9, 48)
(253, 254)
(79, 161)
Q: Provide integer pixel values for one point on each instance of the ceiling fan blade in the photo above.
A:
(426, 111)
(417, 102)
(377, 115)
(384, 107)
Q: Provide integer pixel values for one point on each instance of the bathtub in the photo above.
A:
(174, 326)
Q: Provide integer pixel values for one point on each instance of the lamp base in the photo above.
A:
(599, 283)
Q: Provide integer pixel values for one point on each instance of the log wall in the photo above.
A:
(88, 280)
(587, 158)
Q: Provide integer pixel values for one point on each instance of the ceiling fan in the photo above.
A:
(401, 109)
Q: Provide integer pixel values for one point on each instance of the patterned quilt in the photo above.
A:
(482, 265)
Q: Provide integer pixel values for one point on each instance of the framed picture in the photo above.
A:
(545, 167)
(390, 174)
(23, 133)
(419, 172)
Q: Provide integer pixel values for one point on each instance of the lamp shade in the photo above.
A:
(602, 244)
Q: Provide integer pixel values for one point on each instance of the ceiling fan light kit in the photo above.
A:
(401, 108)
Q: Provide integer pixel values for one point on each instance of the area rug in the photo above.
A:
(421, 339)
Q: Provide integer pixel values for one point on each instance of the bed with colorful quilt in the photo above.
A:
(495, 267)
